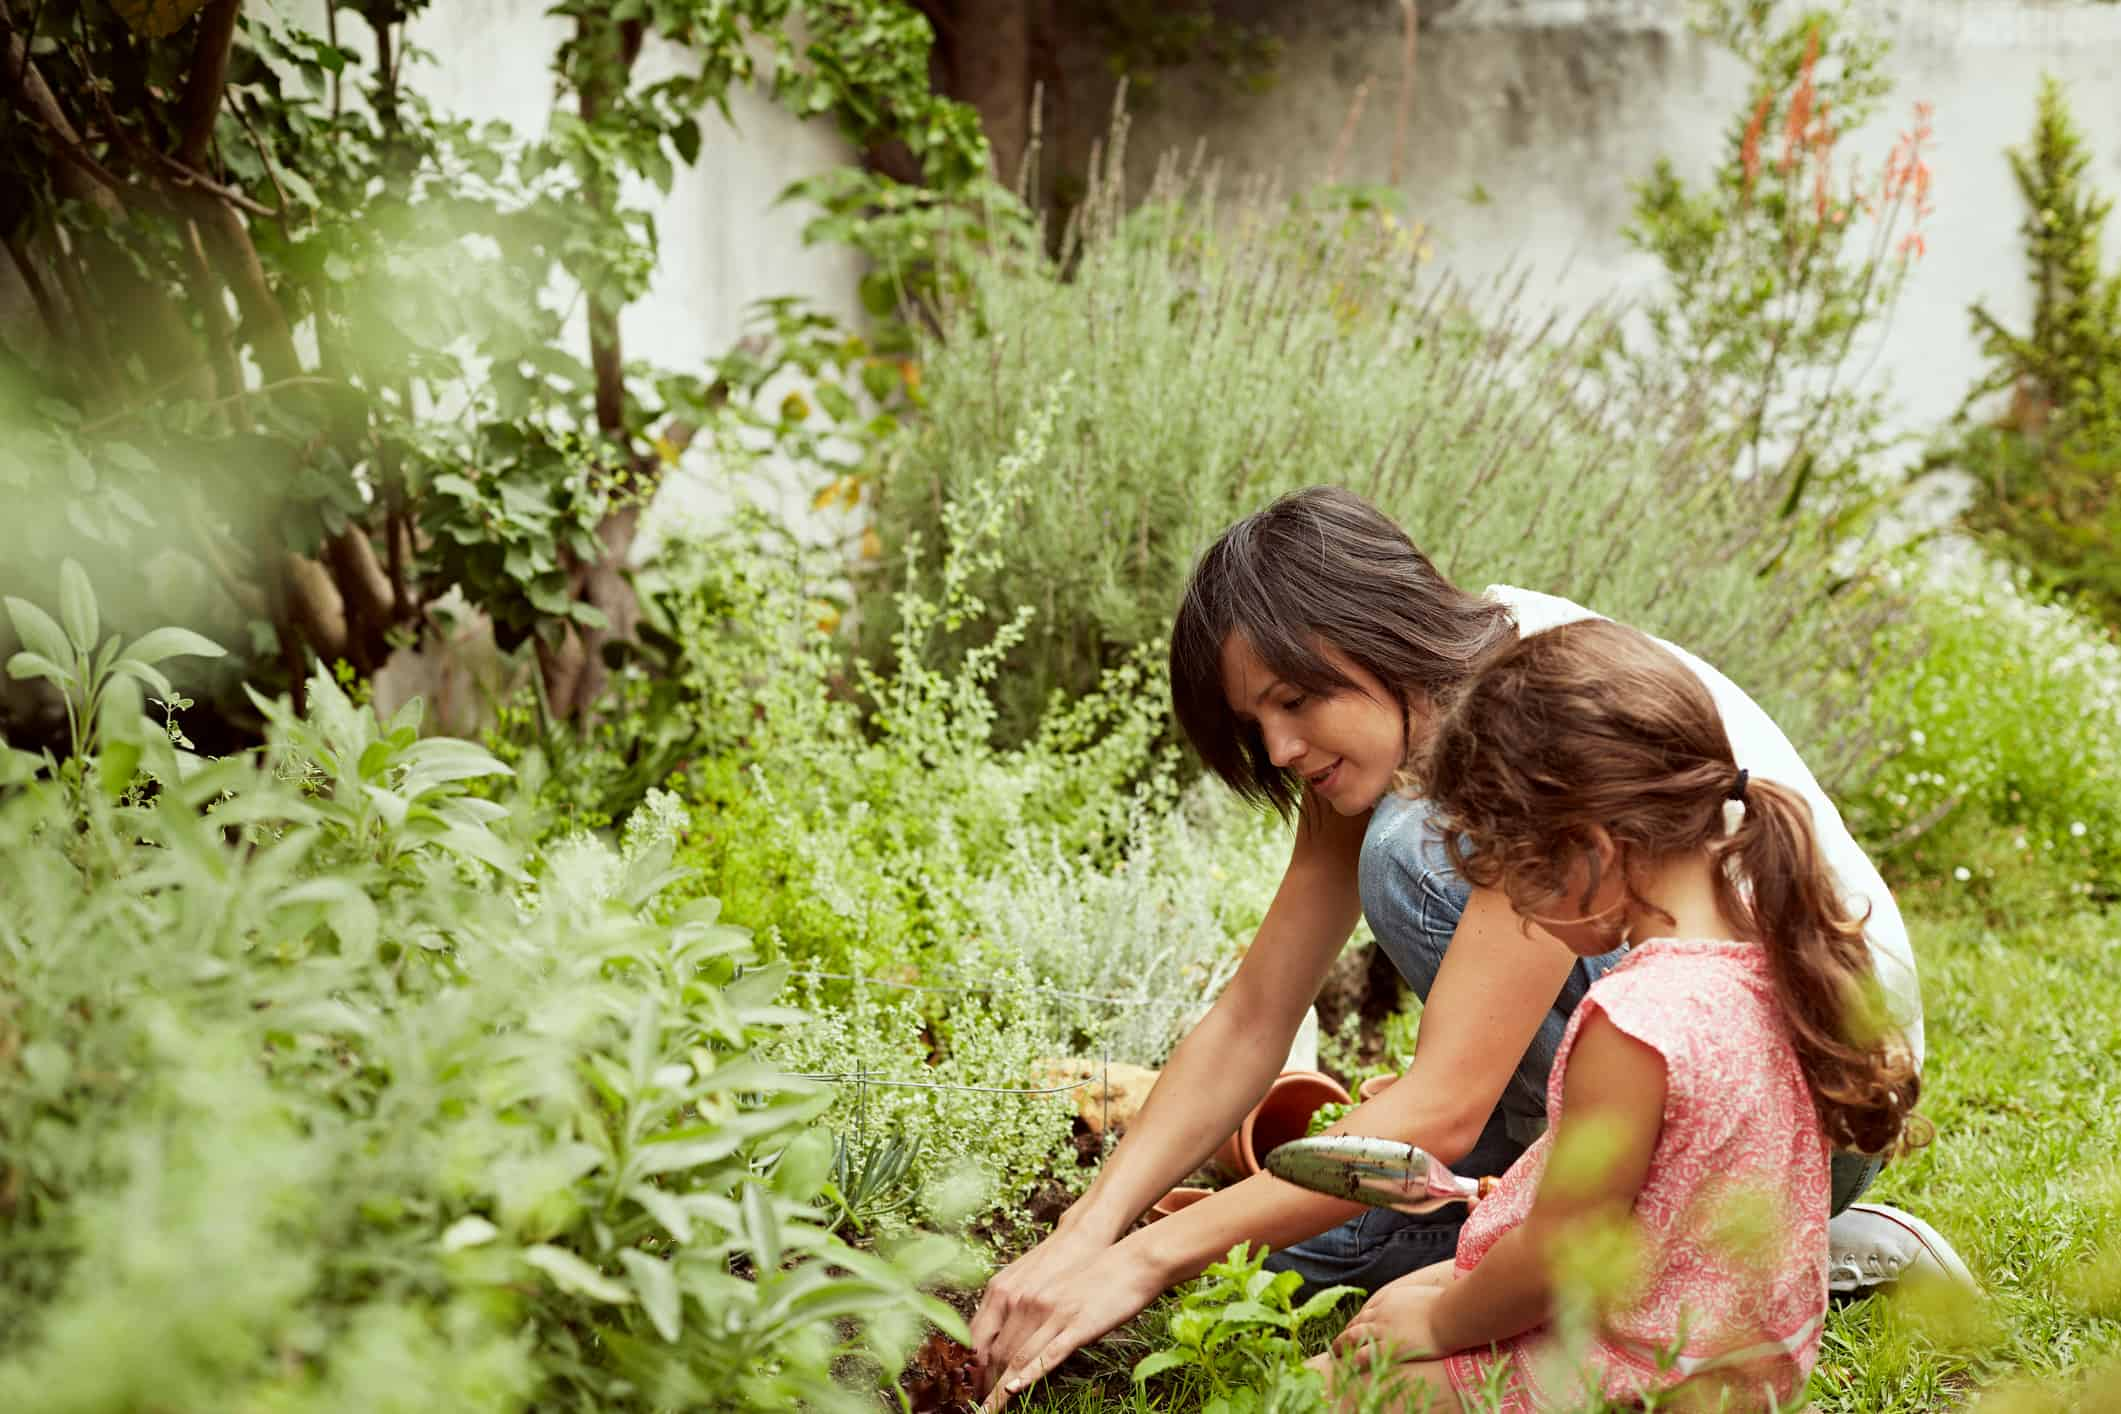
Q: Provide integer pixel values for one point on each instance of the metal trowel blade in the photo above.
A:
(1383, 1173)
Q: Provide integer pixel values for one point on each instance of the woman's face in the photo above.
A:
(1346, 745)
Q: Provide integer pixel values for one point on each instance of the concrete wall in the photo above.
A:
(724, 241)
(1531, 117)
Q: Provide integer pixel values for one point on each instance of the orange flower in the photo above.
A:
(1749, 148)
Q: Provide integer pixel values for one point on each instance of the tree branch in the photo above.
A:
(263, 318)
(220, 329)
(209, 75)
(182, 176)
(79, 175)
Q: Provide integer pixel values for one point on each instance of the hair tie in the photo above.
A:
(1737, 790)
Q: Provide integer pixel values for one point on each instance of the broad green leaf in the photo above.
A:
(121, 714)
(116, 765)
(157, 644)
(18, 767)
(1324, 1302)
(762, 1226)
(156, 19)
(150, 678)
(657, 1287)
(665, 1208)
(470, 1231)
(26, 665)
(1251, 1313)
(77, 605)
(571, 1273)
(804, 1166)
(1161, 1361)
(40, 632)
(440, 760)
(375, 758)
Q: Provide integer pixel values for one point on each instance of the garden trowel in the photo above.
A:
(1381, 1172)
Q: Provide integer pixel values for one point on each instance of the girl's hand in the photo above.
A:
(1397, 1317)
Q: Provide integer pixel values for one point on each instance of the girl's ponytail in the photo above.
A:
(1861, 1073)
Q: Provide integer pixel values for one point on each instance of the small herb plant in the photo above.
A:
(1236, 1333)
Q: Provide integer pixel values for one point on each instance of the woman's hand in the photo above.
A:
(1057, 1303)
(1397, 1317)
(1015, 1298)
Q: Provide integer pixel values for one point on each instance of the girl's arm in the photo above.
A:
(1612, 1100)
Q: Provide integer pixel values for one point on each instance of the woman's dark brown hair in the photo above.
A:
(1593, 725)
(1320, 568)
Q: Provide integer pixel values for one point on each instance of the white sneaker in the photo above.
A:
(1870, 1245)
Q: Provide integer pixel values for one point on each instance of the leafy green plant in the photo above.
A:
(1777, 266)
(2003, 730)
(1235, 1335)
(1481, 435)
(472, 1117)
(872, 1183)
(2044, 470)
(848, 804)
(384, 262)
(70, 653)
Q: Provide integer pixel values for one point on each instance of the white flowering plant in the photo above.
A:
(2005, 734)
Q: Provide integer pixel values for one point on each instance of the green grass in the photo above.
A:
(2024, 1086)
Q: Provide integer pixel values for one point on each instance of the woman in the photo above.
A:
(1311, 650)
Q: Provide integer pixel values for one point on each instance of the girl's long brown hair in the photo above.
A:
(1594, 725)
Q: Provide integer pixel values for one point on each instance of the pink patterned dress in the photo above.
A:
(1732, 1216)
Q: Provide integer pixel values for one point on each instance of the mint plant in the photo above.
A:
(1235, 1333)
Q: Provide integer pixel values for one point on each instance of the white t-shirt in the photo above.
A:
(1761, 748)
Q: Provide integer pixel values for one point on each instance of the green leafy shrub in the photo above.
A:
(330, 1090)
(1782, 266)
(2005, 730)
(1234, 1339)
(1223, 353)
(843, 804)
(2044, 471)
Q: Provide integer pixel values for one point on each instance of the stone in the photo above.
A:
(1130, 1087)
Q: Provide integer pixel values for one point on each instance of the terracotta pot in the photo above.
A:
(1174, 1200)
(1283, 1115)
(1373, 1087)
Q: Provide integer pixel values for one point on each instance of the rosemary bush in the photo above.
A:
(1223, 351)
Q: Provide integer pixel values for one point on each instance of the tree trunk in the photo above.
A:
(991, 63)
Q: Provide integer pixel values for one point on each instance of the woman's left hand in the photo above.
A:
(1397, 1318)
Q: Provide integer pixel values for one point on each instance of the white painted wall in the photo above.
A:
(725, 242)
(1555, 106)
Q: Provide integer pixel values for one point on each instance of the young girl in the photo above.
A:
(1700, 1085)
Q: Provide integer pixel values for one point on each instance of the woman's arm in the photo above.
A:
(1612, 1113)
(1496, 985)
(1214, 1076)
(1224, 1065)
